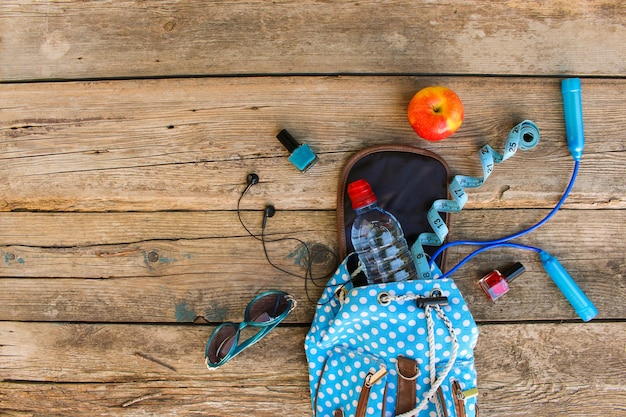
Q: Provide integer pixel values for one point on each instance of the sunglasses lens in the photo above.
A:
(269, 307)
(221, 343)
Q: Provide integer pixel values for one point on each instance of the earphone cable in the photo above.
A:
(241, 220)
(308, 276)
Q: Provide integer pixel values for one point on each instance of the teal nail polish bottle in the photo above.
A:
(301, 156)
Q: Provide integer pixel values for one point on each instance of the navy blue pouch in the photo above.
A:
(400, 348)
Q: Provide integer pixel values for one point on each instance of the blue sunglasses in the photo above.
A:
(265, 311)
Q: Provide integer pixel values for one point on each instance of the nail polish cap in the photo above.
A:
(287, 140)
(513, 272)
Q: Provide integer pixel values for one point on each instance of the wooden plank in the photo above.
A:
(175, 266)
(128, 370)
(188, 144)
(120, 247)
(75, 39)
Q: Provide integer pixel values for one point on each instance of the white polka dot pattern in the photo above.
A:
(347, 340)
(342, 382)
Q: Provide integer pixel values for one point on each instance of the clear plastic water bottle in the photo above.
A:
(378, 238)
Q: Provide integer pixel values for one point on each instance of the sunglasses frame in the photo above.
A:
(265, 327)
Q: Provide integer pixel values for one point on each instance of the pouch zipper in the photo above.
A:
(370, 379)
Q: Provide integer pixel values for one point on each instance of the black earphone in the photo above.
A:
(268, 212)
(252, 179)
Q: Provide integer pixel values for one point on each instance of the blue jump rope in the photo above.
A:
(523, 136)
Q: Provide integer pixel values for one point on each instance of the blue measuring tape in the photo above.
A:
(523, 136)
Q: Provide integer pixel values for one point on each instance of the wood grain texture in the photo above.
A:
(127, 129)
(129, 370)
(78, 40)
(167, 267)
(188, 144)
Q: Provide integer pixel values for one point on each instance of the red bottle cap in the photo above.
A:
(361, 194)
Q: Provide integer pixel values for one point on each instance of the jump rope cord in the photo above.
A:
(485, 248)
(523, 136)
(502, 242)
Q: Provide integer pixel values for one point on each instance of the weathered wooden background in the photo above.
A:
(127, 129)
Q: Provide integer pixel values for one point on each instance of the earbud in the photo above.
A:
(269, 212)
(252, 179)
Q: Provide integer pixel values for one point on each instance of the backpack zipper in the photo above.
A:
(370, 379)
(459, 399)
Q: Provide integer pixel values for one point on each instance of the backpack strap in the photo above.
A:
(407, 374)
(436, 380)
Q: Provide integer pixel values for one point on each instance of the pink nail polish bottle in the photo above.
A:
(495, 284)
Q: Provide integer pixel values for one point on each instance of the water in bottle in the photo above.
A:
(378, 238)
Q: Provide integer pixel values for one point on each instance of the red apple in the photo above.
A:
(435, 113)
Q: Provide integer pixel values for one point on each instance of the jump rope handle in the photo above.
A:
(582, 305)
(573, 112)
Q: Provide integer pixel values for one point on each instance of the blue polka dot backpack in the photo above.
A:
(394, 349)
